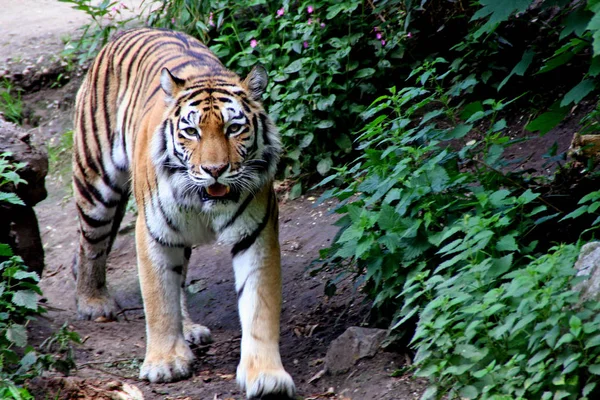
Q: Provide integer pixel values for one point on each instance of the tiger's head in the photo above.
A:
(219, 140)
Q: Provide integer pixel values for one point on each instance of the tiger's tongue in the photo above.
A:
(217, 190)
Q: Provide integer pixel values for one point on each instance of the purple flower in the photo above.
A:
(310, 9)
(409, 35)
(305, 44)
(376, 29)
(253, 43)
(210, 20)
(173, 21)
(322, 24)
(378, 36)
(382, 42)
(280, 12)
(309, 21)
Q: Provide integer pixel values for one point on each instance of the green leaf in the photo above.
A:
(460, 131)
(468, 392)
(25, 275)
(520, 68)
(324, 124)
(594, 369)
(10, 198)
(594, 70)
(17, 334)
(576, 22)
(296, 191)
(592, 342)
(25, 298)
(294, 66)
(5, 250)
(594, 27)
(501, 265)
(547, 121)
(324, 166)
(507, 243)
(498, 11)
(364, 73)
(581, 90)
(325, 102)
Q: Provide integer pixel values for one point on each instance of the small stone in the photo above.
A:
(588, 264)
(354, 344)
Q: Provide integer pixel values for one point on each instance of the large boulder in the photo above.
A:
(352, 345)
(18, 224)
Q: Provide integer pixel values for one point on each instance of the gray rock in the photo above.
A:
(588, 264)
(351, 346)
(18, 224)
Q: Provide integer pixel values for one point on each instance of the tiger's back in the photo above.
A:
(160, 116)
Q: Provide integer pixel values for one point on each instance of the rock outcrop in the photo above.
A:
(18, 224)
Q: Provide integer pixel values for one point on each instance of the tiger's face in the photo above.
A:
(221, 136)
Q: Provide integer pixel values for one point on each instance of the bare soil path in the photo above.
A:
(114, 351)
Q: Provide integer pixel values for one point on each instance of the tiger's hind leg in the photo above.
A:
(99, 218)
(194, 333)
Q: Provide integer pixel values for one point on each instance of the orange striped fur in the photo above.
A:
(159, 116)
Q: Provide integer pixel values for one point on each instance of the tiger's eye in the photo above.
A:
(191, 131)
(234, 128)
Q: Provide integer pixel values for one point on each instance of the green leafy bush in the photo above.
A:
(106, 18)
(11, 105)
(18, 306)
(443, 237)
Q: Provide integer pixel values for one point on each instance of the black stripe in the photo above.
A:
(187, 253)
(168, 220)
(93, 222)
(239, 212)
(249, 240)
(153, 235)
(255, 128)
(96, 240)
(240, 292)
(178, 269)
(265, 130)
(82, 190)
(87, 189)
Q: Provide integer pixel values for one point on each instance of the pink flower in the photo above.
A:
(378, 36)
(253, 43)
(280, 12)
(309, 21)
(409, 35)
(305, 44)
(114, 9)
(322, 24)
(376, 29)
(383, 42)
(173, 21)
(310, 9)
(210, 20)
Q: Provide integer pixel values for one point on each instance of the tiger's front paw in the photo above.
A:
(93, 307)
(266, 384)
(168, 364)
(196, 334)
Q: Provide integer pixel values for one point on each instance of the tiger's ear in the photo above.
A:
(170, 84)
(256, 82)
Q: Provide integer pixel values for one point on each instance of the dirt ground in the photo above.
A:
(31, 35)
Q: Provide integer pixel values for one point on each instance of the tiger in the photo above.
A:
(158, 115)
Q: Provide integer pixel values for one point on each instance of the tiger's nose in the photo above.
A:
(215, 170)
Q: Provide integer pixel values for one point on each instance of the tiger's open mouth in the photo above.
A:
(216, 191)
